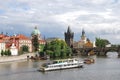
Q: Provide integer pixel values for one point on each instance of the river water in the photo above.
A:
(104, 68)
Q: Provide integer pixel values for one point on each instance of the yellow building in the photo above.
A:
(88, 44)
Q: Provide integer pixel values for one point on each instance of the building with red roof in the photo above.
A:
(24, 41)
(2, 46)
(19, 41)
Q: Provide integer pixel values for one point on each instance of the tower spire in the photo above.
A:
(69, 30)
(36, 27)
(83, 32)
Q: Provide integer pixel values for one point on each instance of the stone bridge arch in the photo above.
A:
(83, 51)
(104, 51)
(113, 50)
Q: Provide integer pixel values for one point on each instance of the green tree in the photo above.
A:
(68, 51)
(50, 53)
(2, 52)
(62, 54)
(9, 53)
(101, 42)
(35, 42)
(5, 52)
(54, 55)
(41, 47)
(57, 48)
(24, 48)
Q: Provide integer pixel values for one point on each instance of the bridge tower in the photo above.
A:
(69, 37)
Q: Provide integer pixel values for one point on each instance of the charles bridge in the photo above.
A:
(98, 51)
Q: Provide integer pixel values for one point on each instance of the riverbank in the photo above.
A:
(15, 58)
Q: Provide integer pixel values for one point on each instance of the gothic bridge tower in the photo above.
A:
(69, 37)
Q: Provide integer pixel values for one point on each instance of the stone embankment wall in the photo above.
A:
(15, 58)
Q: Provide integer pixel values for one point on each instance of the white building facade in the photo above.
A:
(26, 42)
(2, 46)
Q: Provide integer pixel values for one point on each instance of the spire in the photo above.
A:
(69, 30)
(83, 32)
(35, 27)
(44, 37)
(1, 32)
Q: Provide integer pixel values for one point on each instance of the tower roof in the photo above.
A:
(83, 32)
(68, 30)
(35, 31)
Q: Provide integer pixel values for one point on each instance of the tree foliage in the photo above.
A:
(6, 53)
(2, 52)
(25, 48)
(57, 48)
(101, 42)
(35, 42)
(9, 52)
(41, 47)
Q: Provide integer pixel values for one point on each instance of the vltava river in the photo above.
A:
(104, 68)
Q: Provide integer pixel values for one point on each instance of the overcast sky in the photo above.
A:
(99, 18)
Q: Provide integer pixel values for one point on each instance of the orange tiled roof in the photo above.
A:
(41, 40)
(2, 35)
(20, 36)
(1, 41)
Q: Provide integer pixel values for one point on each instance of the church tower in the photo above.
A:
(83, 37)
(69, 37)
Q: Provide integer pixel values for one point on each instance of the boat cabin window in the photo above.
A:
(45, 65)
(65, 61)
(70, 60)
(60, 61)
(55, 62)
(76, 60)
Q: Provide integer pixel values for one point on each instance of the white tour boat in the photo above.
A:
(62, 64)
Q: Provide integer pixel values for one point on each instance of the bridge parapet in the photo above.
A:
(98, 51)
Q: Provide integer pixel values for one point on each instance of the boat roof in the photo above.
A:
(66, 59)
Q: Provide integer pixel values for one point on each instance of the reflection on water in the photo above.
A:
(104, 68)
